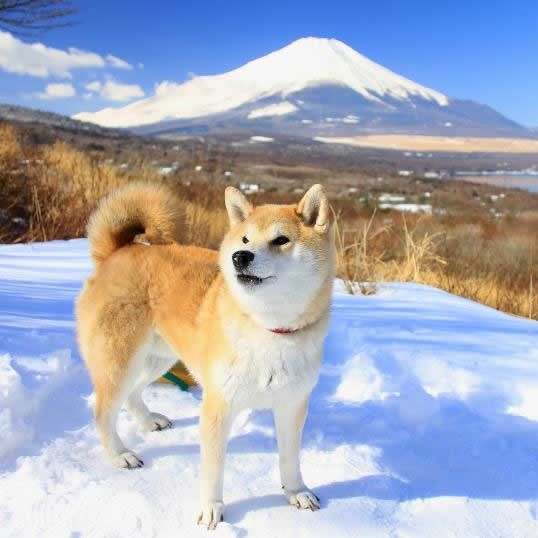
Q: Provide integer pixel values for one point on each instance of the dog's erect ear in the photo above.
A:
(238, 207)
(314, 208)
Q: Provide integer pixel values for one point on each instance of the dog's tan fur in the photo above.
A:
(148, 290)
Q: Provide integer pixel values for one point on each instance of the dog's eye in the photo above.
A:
(280, 240)
(245, 239)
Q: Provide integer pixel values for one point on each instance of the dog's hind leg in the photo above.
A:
(109, 398)
(148, 421)
(154, 367)
(114, 383)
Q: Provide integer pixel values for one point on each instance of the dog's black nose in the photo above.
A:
(242, 258)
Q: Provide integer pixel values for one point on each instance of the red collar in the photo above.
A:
(283, 331)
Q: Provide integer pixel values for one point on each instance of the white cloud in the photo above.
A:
(38, 60)
(114, 61)
(94, 86)
(115, 91)
(58, 90)
(87, 96)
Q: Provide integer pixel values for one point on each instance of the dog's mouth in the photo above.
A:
(251, 280)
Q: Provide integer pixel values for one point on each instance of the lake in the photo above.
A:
(528, 182)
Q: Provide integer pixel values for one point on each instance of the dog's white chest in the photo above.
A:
(270, 367)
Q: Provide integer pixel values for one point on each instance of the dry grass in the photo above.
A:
(496, 268)
(48, 193)
(358, 267)
(66, 186)
(10, 148)
(205, 227)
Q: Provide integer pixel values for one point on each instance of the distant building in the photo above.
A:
(249, 188)
(391, 198)
(169, 169)
(165, 170)
(408, 208)
(405, 173)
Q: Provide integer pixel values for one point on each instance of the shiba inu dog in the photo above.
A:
(248, 321)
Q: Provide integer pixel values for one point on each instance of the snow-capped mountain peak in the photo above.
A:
(306, 63)
(312, 61)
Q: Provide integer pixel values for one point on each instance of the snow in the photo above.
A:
(424, 423)
(277, 109)
(305, 63)
(258, 138)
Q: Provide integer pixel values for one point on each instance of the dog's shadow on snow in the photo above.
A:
(368, 486)
(237, 510)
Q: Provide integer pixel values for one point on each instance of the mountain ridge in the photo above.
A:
(313, 86)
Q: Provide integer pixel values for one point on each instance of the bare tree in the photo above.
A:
(30, 16)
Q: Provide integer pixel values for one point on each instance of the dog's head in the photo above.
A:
(275, 258)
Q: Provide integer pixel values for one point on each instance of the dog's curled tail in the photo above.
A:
(139, 212)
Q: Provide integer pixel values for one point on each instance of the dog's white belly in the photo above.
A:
(158, 357)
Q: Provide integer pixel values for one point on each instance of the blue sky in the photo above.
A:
(481, 50)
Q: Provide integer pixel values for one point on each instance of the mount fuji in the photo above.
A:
(312, 87)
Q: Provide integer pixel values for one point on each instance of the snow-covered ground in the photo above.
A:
(424, 424)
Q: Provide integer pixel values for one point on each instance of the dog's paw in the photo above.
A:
(156, 422)
(304, 499)
(127, 460)
(212, 513)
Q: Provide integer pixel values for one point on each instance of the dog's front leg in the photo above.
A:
(289, 421)
(215, 421)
